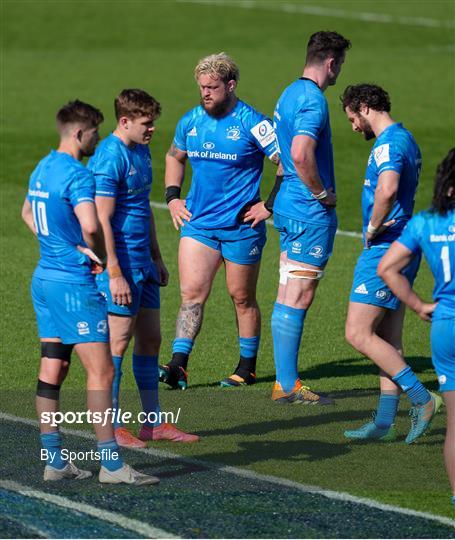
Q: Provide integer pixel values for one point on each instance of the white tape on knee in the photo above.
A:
(283, 273)
(306, 273)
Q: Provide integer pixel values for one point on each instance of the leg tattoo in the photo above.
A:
(189, 320)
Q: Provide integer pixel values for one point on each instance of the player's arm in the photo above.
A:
(303, 154)
(173, 179)
(92, 232)
(163, 274)
(384, 197)
(27, 216)
(398, 257)
(120, 290)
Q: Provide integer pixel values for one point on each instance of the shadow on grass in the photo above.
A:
(327, 416)
(347, 367)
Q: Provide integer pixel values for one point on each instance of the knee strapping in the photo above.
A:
(47, 390)
(60, 351)
(292, 271)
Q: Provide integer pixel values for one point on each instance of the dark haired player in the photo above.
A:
(375, 316)
(122, 167)
(433, 233)
(304, 208)
(60, 211)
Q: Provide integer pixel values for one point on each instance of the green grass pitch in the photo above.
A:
(56, 51)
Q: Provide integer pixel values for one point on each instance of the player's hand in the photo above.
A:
(425, 311)
(369, 236)
(256, 213)
(330, 200)
(120, 291)
(96, 264)
(179, 212)
(163, 274)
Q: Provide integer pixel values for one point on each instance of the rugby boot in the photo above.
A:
(126, 439)
(69, 471)
(126, 475)
(166, 432)
(371, 431)
(175, 376)
(422, 416)
(299, 395)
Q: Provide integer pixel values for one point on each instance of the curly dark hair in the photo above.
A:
(322, 45)
(371, 95)
(78, 112)
(134, 103)
(444, 185)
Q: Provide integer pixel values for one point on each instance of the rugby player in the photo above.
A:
(225, 141)
(59, 209)
(433, 233)
(304, 209)
(375, 316)
(122, 167)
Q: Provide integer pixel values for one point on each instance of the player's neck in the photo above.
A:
(120, 134)
(317, 76)
(67, 147)
(381, 123)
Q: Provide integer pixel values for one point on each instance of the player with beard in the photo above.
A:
(375, 316)
(225, 140)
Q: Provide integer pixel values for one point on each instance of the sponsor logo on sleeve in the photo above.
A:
(382, 154)
(442, 379)
(263, 133)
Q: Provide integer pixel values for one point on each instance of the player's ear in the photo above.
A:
(79, 133)
(231, 85)
(123, 122)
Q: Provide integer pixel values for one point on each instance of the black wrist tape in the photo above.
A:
(276, 188)
(172, 192)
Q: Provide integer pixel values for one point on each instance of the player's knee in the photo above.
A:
(243, 299)
(148, 345)
(119, 343)
(193, 295)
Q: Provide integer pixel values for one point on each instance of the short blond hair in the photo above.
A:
(218, 65)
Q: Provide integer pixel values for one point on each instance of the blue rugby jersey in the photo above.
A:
(434, 234)
(57, 185)
(126, 174)
(302, 110)
(227, 159)
(394, 150)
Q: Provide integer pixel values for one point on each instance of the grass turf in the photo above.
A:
(53, 52)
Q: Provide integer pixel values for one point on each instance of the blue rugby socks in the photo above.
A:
(287, 328)
(52, 443)
(386, 410)
(248, 354)
(410, 384)
(117, 361)
(181, 350)
(110, 457)
(145, 369)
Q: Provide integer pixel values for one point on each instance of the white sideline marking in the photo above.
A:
(254, 475)
(382, 18)
(115, 519)
(163, 206)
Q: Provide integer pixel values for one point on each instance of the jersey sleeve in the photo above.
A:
(108, 170)
(180, 133)
(310, 118)
(388, 157)
(264, 135)
(412, 234)
(82, 188)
